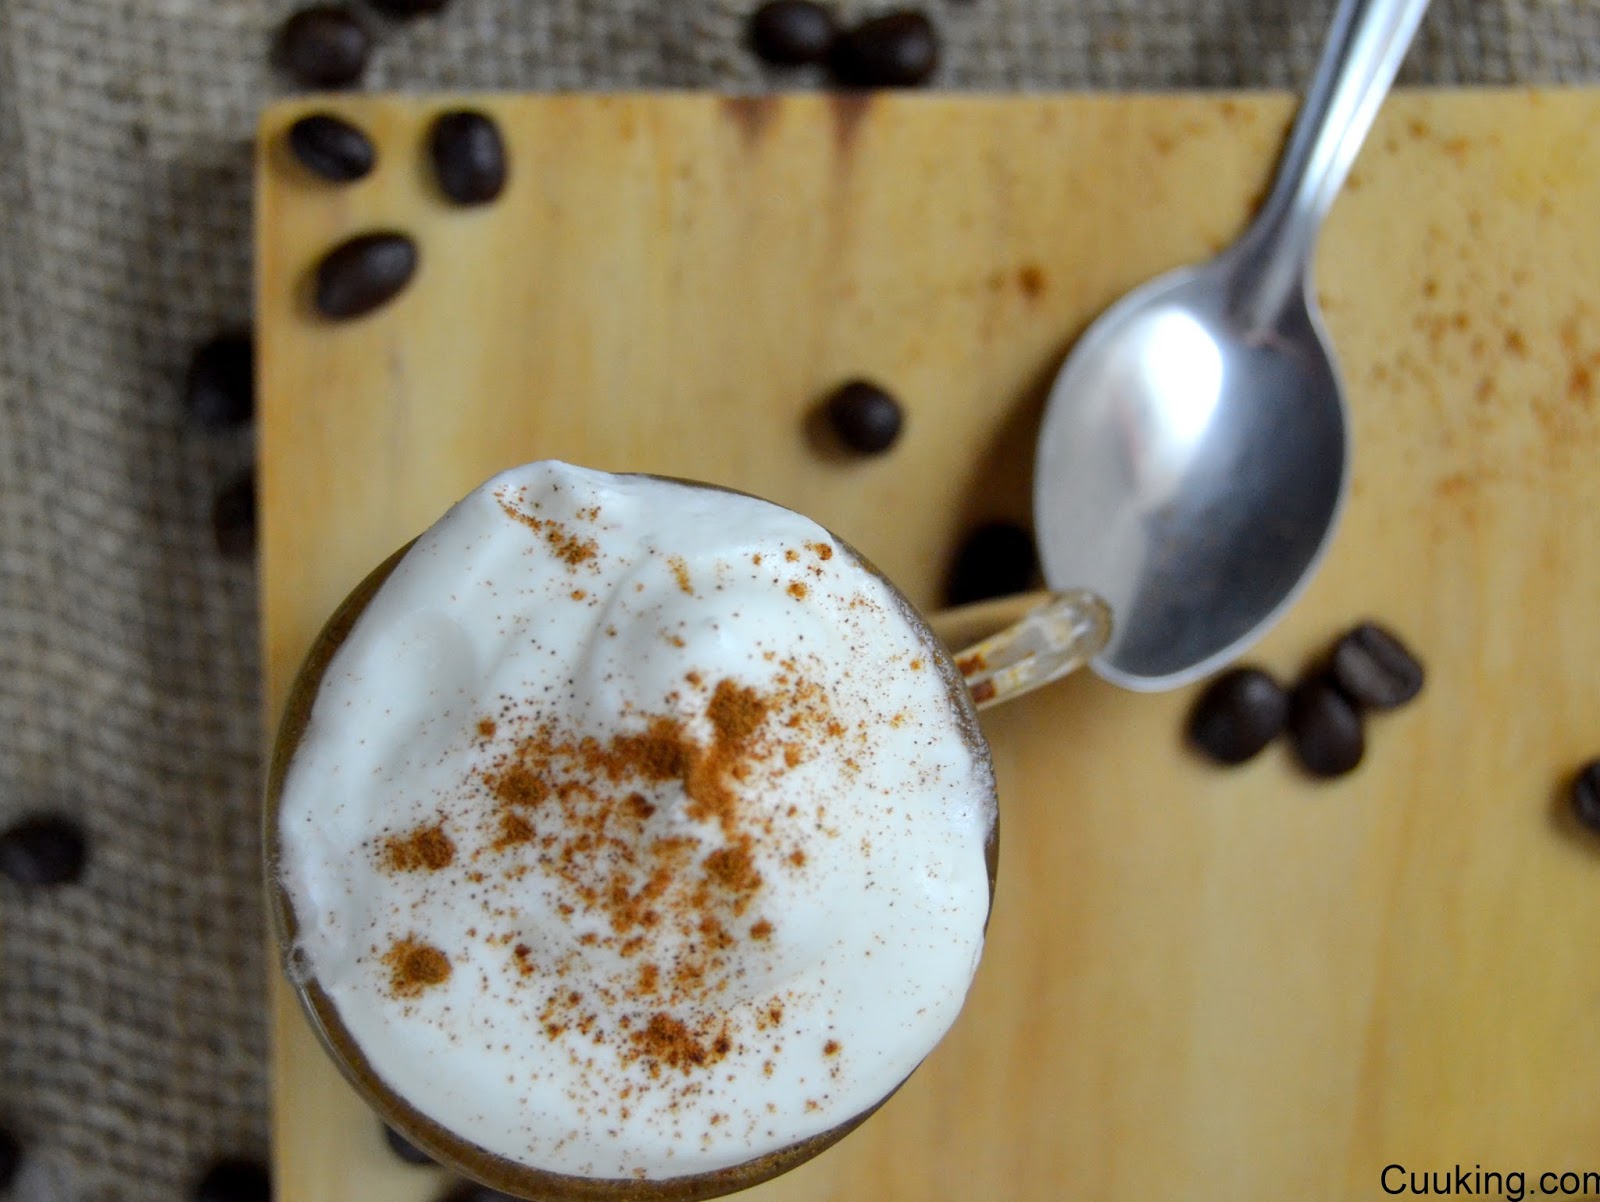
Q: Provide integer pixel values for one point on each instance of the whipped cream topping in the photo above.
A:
(635, 831)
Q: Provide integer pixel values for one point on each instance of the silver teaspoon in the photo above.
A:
(1194, 456)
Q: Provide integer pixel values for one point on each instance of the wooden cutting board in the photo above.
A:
(1200, 984)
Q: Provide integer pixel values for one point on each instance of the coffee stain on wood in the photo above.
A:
(751, 115)
(850, 110)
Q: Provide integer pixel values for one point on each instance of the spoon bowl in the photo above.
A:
(1195, 450)
(1202, 464)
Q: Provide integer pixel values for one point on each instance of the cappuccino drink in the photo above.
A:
(629, 834)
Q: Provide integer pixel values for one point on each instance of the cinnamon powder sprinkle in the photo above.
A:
(733, 870)
(568, 548)
(414, 966)
(831, 1048)
(797, 590)
(517, 785)
(585, 808)
(427, 848)
(668, 1041)
(736, 713)
(769, 1018)
(639, 806)
(660, 754)
(514, 829)
(680, 573)
(824, 552)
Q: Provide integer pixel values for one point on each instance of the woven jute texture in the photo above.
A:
(132, 1026)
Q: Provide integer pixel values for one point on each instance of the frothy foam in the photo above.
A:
(634, 831)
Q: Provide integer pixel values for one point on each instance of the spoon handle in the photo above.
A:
(1366, 43)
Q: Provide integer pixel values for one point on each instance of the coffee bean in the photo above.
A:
(332, 147)
(1375, 669)
(235, 1181)
(864, 416)
(404, 1148)
(1325, 728)
(1238, 714)
(790, 32)
(324, 46)
(408, 8)
(233, 518)
(43, 851)
(363, 273)
(469, 157)
(996, 560)
(897, 50)
(1586, 794)
(220, 388)
(10, 1157)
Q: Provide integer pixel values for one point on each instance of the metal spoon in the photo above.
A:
(1194, 455)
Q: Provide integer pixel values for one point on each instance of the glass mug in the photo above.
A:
(1044, 636)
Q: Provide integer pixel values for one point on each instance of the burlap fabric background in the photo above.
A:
(132, 1031)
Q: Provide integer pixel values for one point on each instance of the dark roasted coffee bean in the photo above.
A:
(1238, 714)
(865, 417)
(324, 46)
(789, 32)
(10, 1157)
(235, 1181)
(233, 518)
(43, 851)
(332, 147)
(897, 50)
(1325, 728)
(1375, 669)
(408, 8)
(363, 273)
(469, 157)
(404, 1148)
(996, 560)
(1586, 794)
(220, 388)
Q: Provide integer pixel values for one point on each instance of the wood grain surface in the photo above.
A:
(1200, 984)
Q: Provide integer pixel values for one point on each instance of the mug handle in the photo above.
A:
(1045, 636)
